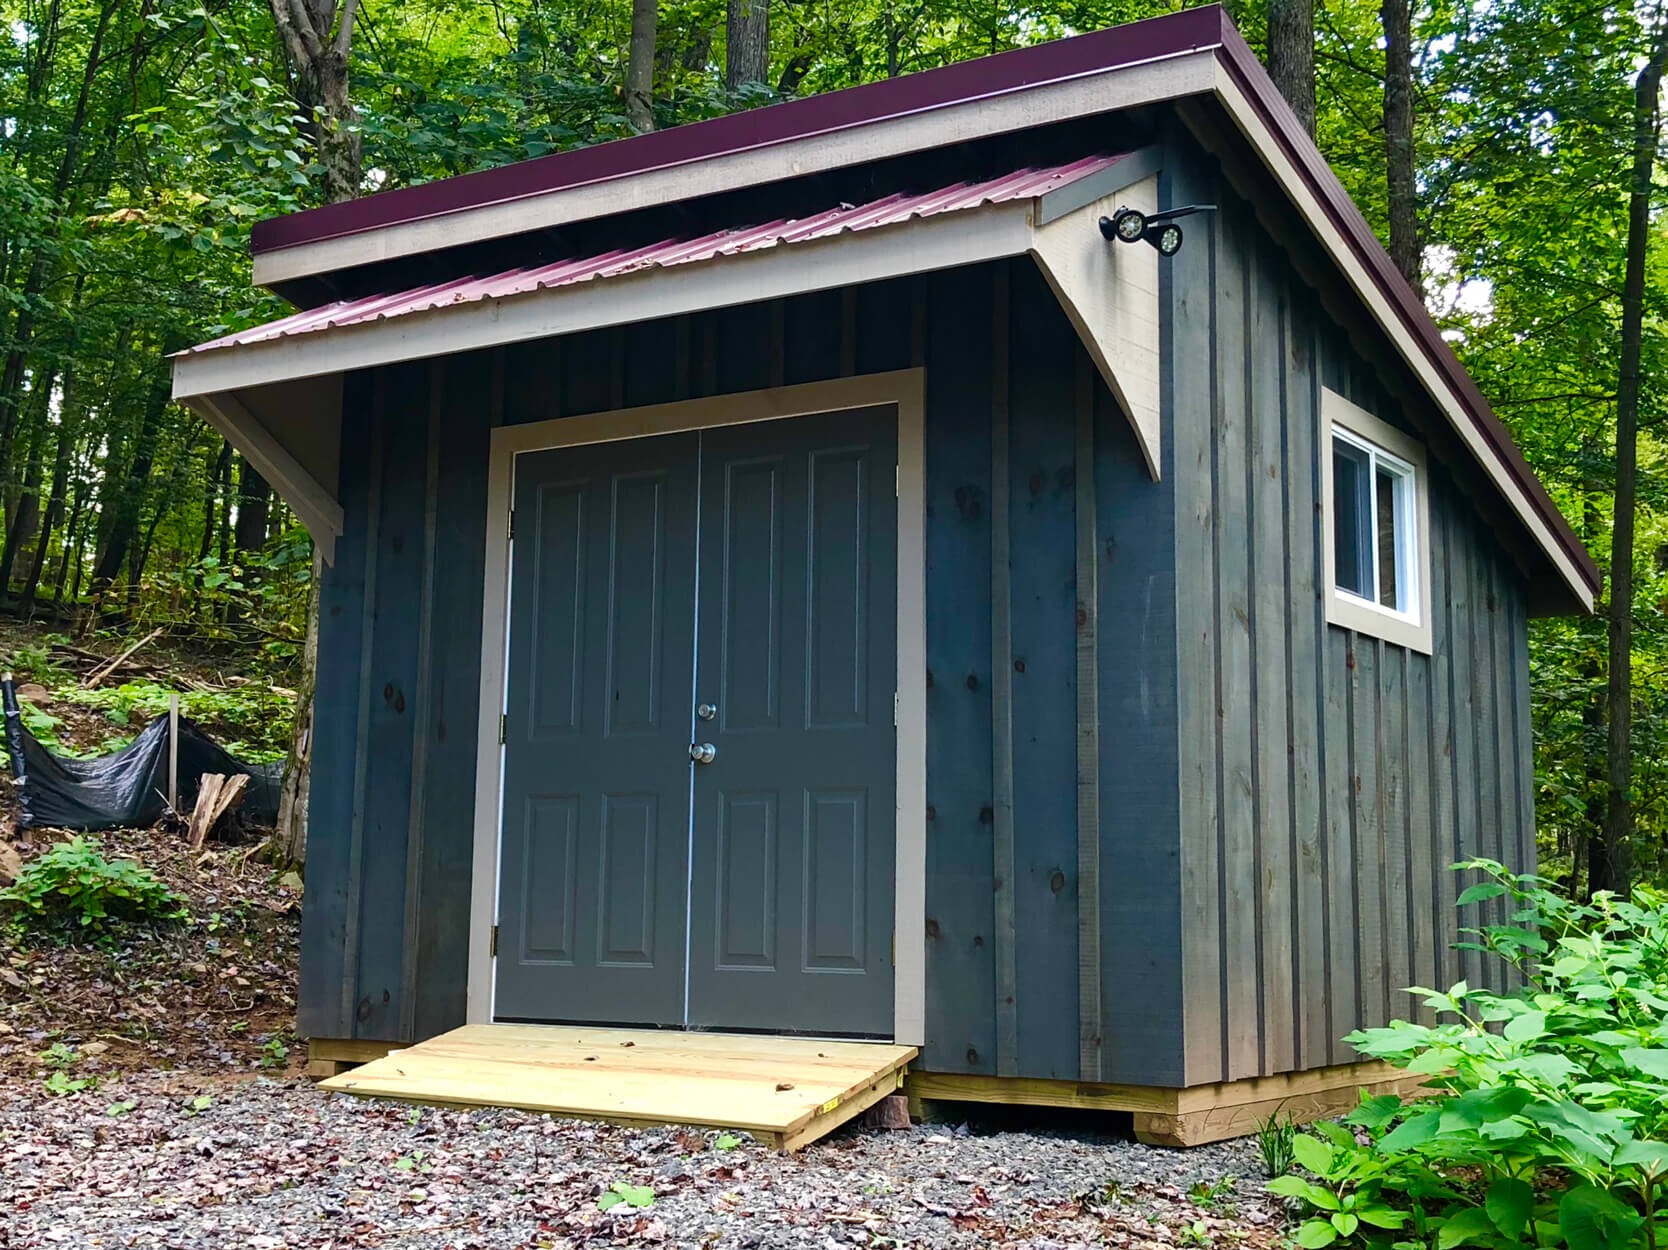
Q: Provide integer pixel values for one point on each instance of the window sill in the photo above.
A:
(1362, 617)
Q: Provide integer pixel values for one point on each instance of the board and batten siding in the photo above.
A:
(384, 935)
(1328, 779)
(1278, 799)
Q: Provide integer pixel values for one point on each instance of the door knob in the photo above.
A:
(707, 711)
(702, 752)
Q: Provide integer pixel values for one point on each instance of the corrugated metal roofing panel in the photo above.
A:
(891, 210)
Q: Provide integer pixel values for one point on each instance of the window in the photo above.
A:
(1377, 549)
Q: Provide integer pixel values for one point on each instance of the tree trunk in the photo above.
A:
(1398, 141)
(68, 423)
(1291, 55)
(322, 57)
(639, 86)
(290, 838)
(253, 501)
(23, 508)
(318, 43)
(1611, 867)
(128, 493)
(747, 43)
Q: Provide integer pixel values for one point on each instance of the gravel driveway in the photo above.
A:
(168, 1160)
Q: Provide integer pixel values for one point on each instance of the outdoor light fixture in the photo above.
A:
(1129, 225)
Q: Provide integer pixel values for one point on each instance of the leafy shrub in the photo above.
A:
(1547, 1125)
(73, 884)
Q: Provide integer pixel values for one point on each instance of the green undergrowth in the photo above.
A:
(72, 888)
(252, 722)
(1547, 1120)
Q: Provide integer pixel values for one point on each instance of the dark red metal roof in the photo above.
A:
(1018, 70)
(891, 210)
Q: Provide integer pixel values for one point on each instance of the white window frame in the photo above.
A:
(1409, 627)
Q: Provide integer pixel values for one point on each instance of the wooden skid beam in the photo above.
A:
(331, 1056)
(1181, 1117)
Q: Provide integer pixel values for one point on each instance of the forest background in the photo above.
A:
(1507, 151)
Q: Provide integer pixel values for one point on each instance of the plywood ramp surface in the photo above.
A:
(787, 1091)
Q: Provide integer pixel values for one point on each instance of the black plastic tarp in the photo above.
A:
(129, 788)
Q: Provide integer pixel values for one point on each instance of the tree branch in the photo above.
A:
(343, 42)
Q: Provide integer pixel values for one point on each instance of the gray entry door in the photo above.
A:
(594, 857)
(792, 889)
(747, 573)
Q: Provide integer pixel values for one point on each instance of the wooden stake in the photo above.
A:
(174, 752)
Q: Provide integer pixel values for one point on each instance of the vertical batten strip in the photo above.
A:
(361, 744)
(1088, 738)
(422, 704)
(1002, 690)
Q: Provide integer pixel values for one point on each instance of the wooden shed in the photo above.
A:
(807, 575)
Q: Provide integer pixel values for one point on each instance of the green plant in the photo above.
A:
(120, 1108)
(726, 1141)
(274, 1054)
(73, 884)
(1274, 1143)
(198, 1105)
(60, 1083)
(1212, 1194)
(1546, 1124)
(631, 1195)
(60, 1056)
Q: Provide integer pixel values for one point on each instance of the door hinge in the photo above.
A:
(510, 533)
(897, 479)
(494, 951)
(503, 730)
(894, 709)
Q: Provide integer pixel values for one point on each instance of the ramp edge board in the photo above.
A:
(786, 1091)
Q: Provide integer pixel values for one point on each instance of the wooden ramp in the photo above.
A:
(786, 1091)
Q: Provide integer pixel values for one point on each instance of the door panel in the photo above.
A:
(596, 766)
(791, 924)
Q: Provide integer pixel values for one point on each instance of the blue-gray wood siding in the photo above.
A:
(386, 921)
(1328, 779)
(1278, 799)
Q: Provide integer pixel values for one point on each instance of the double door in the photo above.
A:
(698, 795)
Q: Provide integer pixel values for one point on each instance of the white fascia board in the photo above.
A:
(313, 505)
(1274, 157)
(1117, 88)
(923, 246)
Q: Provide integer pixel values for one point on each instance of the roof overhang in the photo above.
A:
(1193, 55)
(1109, 293)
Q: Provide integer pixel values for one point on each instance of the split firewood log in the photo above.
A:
(217, 795)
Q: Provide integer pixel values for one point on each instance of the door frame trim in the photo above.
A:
(903, 388)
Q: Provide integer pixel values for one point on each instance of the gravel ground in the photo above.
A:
(171, 1160)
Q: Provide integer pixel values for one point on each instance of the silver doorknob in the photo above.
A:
(706, 711)
(702, 752)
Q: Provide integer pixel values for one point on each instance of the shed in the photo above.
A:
(796, 576)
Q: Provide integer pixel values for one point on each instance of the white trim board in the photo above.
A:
(906, 390)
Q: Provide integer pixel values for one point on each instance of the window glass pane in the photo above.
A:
(1352, 527)
(1389, 507)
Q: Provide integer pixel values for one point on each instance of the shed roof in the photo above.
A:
(891, 210)
(1192, 58)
